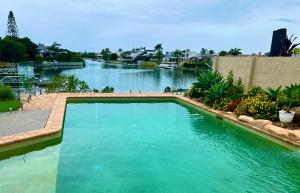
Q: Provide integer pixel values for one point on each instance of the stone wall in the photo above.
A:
(260, 71)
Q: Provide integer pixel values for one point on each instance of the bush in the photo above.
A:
(205, 81)
(274, 93)
(223, 104)
(254, 92)
(67, 84)
(6, 93)
(258, 107)
(216, 92)
(293, 94)
(107, 89)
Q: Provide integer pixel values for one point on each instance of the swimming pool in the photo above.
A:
(151, 146)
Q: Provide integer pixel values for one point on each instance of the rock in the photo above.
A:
(297, 115)
(260, 123)
(246, 119)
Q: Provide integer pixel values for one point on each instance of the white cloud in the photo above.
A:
(94, 24)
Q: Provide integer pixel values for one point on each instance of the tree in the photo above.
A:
(31, 48)
(235, 52)
(159, 54)
(55, 47)
(28, 84)
(12, 29)
(177, 54)
(223, 53)
(211, 52)
(12, 50)
(203, 51)
(158, 47)
(106, 54)
(113, 56)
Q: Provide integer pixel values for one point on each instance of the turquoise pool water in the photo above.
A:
(149, 147)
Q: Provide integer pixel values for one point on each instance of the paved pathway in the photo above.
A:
(34, 116)
(21, 121)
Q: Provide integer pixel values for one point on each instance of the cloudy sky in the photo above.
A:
(94, 24)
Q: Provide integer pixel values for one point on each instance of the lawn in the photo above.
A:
(5, 105)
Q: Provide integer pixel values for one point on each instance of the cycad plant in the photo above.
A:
(293, 94)
(216, 92)
(206, 80)
(273, 93)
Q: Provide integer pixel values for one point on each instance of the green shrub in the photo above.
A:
(204, 82)
(217, 92)
(194, 92)
(235, 92)
(6, 93)
(274, 93)
(108, 89)
(223, 104)
(69, 83)
(293, 94)
(258, 107)
(254, 92)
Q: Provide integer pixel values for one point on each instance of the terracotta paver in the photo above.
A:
(57, 104)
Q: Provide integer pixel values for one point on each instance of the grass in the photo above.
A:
(5, 105)
(149, 64)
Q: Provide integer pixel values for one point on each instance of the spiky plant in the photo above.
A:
(288, 46)
(273, 93)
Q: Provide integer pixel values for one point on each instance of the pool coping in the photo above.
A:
(54, 125)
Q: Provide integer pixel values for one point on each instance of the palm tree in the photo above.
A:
(159, 54)
(158, 47)
(177, 54)
(203, 51)
(106, 54)
(235, 52)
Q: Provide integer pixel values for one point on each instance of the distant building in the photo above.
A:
(186, 55)
(44, 51)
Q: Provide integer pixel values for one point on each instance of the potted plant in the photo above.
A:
(286, 115)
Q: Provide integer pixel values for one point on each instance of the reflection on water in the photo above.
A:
(126, 77)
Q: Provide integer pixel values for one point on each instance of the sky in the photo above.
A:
(90, 25)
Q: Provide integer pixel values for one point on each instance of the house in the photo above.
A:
(185, 56)
(44, 52)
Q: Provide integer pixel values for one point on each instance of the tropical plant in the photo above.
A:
(217, 92)
(67, 84)
(205, 81)
(106, 54)
(287, 46)
(6, 93)
(177, 54)
(235, 52)
(83, 86)
(273, 93)
(293, 94)
(159, 54)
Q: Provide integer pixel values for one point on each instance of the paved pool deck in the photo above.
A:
(22, 121)
(55, 104)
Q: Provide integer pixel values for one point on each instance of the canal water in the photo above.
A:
(122, 77)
